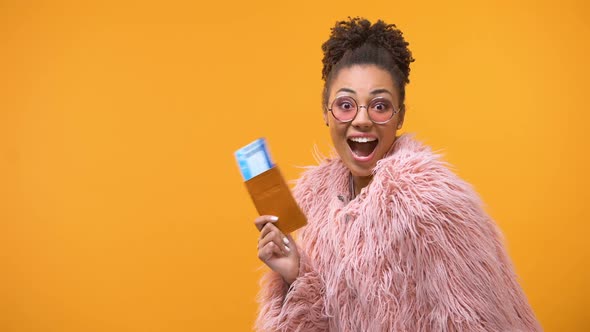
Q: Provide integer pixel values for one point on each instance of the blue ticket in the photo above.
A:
(254, 159)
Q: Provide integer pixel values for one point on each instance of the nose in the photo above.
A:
(362, 120)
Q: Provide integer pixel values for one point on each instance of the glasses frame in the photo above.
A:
(366, 107)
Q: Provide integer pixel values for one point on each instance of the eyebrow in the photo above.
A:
(378, 91)
(374, 92)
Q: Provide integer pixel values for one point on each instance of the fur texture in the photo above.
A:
(415, 251)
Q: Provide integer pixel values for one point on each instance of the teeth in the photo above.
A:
(363, 139)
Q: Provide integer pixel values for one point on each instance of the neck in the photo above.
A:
(360, 182)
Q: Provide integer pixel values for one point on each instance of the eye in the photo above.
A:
(381, 106)
(345, 104)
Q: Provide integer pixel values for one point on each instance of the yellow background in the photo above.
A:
(121, 206)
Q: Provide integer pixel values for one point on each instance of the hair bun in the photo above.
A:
(356, 32)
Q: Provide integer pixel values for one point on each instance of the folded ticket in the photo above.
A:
(254, 159)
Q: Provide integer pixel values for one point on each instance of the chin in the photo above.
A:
(360, 171)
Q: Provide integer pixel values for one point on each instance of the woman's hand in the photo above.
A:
(276, 250)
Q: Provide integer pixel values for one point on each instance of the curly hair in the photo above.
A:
(356, 42)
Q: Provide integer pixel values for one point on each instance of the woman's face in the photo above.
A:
(361, 143)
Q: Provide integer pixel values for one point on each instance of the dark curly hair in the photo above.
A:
(356, 42)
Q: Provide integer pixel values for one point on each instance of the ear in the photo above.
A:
(326, 118)
(402, 116)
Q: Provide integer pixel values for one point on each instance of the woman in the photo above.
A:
(395, 241)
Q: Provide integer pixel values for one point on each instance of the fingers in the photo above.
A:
(268, 251)
(263, 220)
(272, 242)
(271, 234)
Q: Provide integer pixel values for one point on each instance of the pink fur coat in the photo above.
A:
(415, 251)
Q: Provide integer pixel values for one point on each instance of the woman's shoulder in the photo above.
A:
(413, 170)
(408, 158)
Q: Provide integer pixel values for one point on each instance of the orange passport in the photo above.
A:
(272, 196)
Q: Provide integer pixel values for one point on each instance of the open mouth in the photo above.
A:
(362, 147)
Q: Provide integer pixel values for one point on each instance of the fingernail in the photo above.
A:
(274, 218)
(287, 248)
(285, 240)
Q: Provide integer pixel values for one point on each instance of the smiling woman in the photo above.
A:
(395, 241)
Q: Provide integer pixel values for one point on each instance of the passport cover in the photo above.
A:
(272, 196)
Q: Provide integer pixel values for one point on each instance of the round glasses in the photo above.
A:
(345, 109)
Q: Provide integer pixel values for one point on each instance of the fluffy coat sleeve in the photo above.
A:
(454, 254)
(296, 308)
(299, 307)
